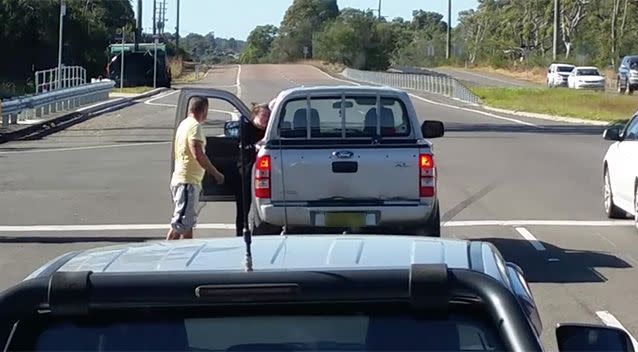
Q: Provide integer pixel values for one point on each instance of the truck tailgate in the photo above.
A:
(352, 174)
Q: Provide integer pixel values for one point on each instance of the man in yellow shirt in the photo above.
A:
(191, 163)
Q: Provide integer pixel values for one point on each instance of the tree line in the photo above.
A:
(500, 33)
(29, 37)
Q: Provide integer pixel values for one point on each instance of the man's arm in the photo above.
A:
(197, 150)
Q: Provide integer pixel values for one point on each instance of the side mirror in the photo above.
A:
(612, 134)
(432, 129)
(231, 129)
(588, 337)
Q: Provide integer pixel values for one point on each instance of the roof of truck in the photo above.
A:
(286, 253)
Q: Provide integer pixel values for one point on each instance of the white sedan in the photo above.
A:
(620, 171)
(586, 77)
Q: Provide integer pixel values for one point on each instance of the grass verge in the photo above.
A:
(560, 102)
(132, 90)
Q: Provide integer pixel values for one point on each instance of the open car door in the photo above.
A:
(222, 147)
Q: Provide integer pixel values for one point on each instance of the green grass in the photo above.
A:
(132, 90)
(561, 102)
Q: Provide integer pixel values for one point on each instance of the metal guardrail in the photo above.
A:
(439, 84)
(37, 106)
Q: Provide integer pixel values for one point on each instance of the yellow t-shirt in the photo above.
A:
(187, 169)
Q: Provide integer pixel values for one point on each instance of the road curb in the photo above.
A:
(56, 124)
(548, 117)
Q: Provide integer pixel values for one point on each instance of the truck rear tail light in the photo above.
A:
(426, 175)
(262, 177)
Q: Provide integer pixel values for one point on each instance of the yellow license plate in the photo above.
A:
(345, 219)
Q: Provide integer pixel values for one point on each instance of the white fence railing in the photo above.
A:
(39, 105)
(438, 84)
(62, 78)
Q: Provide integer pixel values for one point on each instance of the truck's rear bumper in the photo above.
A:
(401, 215)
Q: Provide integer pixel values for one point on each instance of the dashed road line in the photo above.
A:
(585, 223)
(530, 238)
(609, 320)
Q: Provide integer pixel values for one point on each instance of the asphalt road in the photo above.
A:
(531, 187)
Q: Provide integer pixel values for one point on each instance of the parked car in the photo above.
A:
(557, 74)
(620, 171)
(331, 159)
(627, 78)
(318, 293)
(586, 77)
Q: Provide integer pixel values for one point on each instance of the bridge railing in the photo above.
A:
(40, 105)
(438, 84)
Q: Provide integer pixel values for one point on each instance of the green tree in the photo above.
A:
(357, 39)
(258, 44)
(302, 19)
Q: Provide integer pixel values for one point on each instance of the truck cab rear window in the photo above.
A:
(352, 117)
(360, 332)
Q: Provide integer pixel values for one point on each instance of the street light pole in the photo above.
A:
(449, 30)
(155, 62)
(60, 41)
(379, 9)
(556, 24)
(177, 26)
(122, 64)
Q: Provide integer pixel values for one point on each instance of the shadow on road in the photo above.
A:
(143, 128)
(514, 128)
(75, 239)
(555, 264)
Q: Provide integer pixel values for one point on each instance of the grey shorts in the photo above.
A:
(186, 200)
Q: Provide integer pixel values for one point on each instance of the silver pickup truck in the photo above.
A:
(334, 158)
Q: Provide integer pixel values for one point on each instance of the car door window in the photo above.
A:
(631, 132)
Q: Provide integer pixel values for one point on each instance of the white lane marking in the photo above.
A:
(334, 78)
(108, 102)
(118, 227)
(609, 320)
(81, 148)
(489, 114)
(150, 101)
(238, 81)
(530, 238)
(443, 104)
(610, 223)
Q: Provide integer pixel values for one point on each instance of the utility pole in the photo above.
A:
(122, 64)
(556, 25)
(177, 26)
(154, 17)
(60, 42)
(138, 30)
(449, 30)
(155, 40)
(379, 9)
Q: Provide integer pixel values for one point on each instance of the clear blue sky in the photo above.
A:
(236, 18)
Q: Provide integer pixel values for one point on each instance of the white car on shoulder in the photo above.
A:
(586, 77)
(620, 171)
(557, 74)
